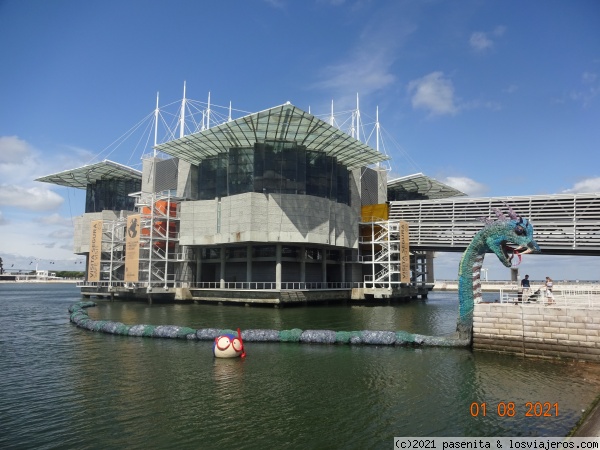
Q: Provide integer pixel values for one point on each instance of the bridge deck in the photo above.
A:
(563, 224)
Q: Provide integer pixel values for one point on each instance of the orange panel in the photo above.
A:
(371, 213)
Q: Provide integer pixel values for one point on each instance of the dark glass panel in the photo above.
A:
(111, 194)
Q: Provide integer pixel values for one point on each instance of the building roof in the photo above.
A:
(82, 176)
(419, 187)
(281, 123)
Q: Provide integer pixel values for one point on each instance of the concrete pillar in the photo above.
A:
(198, 265)
(343, 266)
(429, 267)
(222, 272)
(324, 266)
(278, 266)
(303, 264)
(248, 264)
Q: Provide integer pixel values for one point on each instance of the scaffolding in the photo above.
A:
(162, 260)
(112, 259)
(380, 249)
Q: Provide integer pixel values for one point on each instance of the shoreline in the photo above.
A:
(38, 281)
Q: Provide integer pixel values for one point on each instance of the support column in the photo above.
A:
(343, 265)
(198, 265)
(324, 265)
(303, 264)
(222, 271)
(248, 264)
(278, 266)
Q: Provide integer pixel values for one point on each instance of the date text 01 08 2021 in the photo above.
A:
(509, 409)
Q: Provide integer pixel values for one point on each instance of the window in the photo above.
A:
(273, 167)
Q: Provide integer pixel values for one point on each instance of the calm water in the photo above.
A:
(62, 387)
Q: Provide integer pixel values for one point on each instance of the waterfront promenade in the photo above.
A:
(497, 286)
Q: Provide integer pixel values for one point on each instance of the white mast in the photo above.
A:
(377, 131)
(208, 113)
(331, 118)
(357, 119)
(156, 125)
(182, 115)
(229, 117)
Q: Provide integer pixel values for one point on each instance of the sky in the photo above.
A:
(494, 97)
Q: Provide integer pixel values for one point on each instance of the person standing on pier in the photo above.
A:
(549, 294)
(525, 288)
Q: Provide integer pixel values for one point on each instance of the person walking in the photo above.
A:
(549, 294)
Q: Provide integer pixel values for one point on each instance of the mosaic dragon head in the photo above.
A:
(508, 236)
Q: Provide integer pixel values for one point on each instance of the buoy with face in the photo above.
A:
(229, 346)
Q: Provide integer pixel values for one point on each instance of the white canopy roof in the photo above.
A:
(423, 185)
(82, 176)
(281, 123)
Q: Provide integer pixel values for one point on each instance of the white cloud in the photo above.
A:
(589, 77)
(34, 198)
(3, 221)
(589, 90)
(61, 234)
(587, 186)
(13, 150)
(434, 93)
(57, 219)
(368, 66)
(479, 41)
(466, 185)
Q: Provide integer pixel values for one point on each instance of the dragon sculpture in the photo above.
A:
(507, 237)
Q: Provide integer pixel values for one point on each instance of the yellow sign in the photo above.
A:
(132, 248)
(95, 250)
(404, 253)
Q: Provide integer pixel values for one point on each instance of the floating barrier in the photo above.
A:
(81, 319)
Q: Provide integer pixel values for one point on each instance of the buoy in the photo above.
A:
(229, 346)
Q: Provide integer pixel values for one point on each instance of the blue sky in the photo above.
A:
(495, 98)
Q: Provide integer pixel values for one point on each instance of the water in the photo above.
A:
(63, 387)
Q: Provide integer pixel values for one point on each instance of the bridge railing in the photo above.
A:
(580, 297)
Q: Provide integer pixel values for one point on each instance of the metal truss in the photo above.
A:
(563, 224)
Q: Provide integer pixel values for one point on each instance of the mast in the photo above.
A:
(331, 118)
(182, 115)
(377, 131)
(357, 119)
(156, 125)
(208, 113)
(229, 117)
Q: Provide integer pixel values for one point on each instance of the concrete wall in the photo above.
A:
(81, 234)
(187, 180)
(537, 331)
(255, 217)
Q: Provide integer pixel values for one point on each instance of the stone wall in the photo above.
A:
(537, 331)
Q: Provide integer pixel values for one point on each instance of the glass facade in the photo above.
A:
(111, 194)
(273, 167)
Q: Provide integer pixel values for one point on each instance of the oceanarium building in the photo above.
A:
(274, 207)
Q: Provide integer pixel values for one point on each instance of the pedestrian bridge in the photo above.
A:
(563, 224)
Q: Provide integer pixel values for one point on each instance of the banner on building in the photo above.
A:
(132, 249)
(404, 253)
(95, 250)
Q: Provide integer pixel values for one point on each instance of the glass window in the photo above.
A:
(263, 251)
(112, 194)
(273, 167)
(211, 253)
